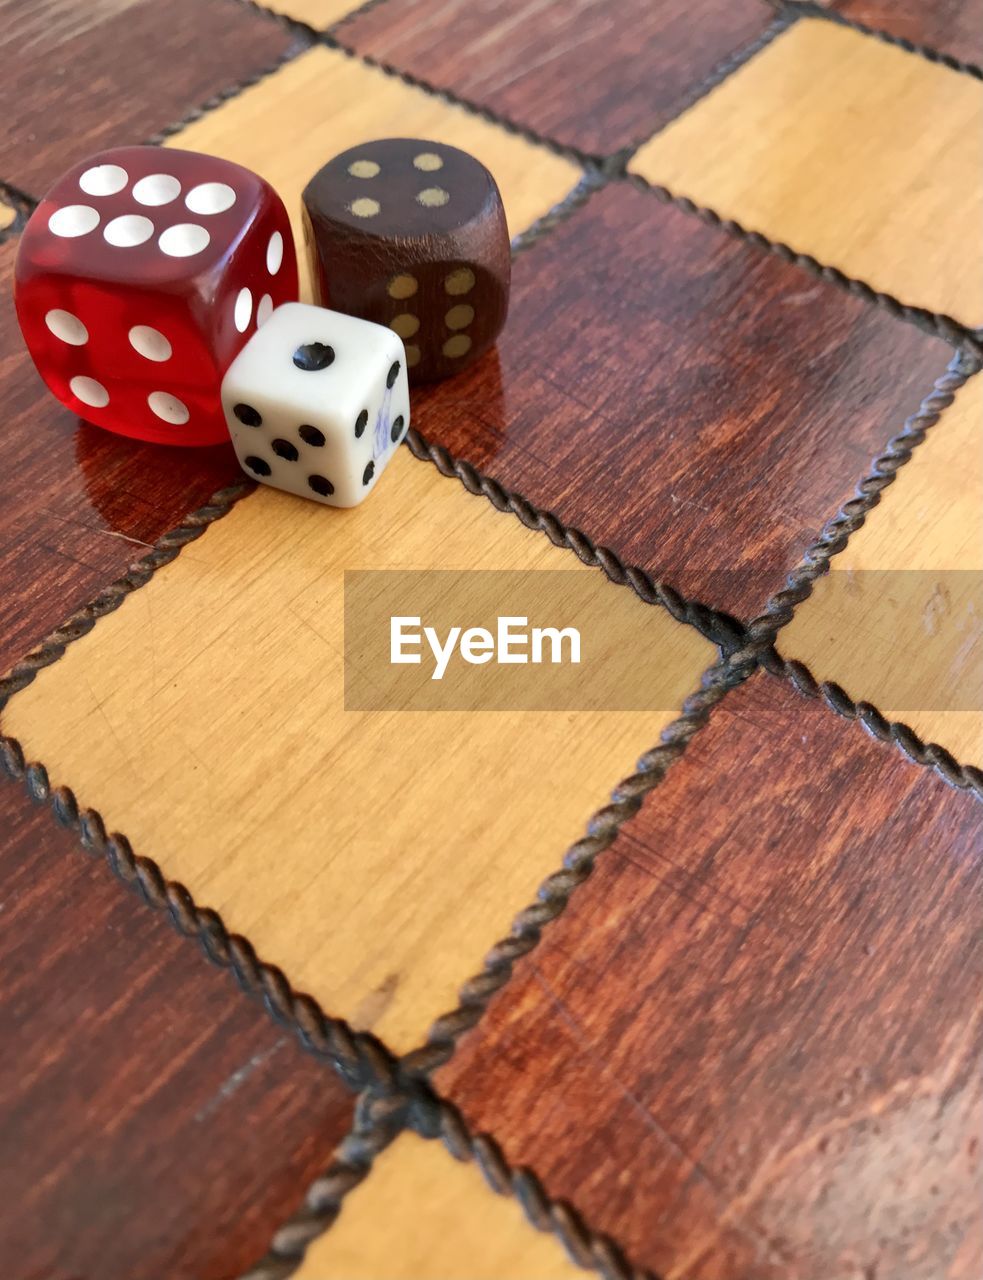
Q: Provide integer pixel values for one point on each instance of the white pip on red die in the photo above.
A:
(140, 276)
(317, 403)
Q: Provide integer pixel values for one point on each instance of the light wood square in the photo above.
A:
(898, 620)
(375, 856)
(849, 149)
(319, 14)
(422, 1215)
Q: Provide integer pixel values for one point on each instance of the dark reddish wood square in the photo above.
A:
(697, 405)
(951, 26)
(81, 77)
(751, 1047)
(153, 1120)
(587, 73)
(77, 504)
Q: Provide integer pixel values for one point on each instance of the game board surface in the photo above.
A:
(688, 989)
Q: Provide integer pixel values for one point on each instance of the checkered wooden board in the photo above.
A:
(691, 994)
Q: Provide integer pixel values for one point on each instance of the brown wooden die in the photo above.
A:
(412, 234)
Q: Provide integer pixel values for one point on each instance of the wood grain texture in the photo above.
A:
(375, 856)
(802, 144)
(77, 505)
(422, 1215)
(154, 1121)
(327, 101)
(897, 622)
(951, 26)
(584, 73)
(751, 1045)
(694, 404)
(79, 78)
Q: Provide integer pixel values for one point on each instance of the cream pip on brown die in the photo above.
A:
(412, 234)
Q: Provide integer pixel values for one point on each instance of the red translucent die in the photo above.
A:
(140, 277)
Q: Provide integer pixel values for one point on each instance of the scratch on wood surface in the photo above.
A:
(237, 1079)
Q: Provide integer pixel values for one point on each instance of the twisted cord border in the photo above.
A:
(744, 651)
(808, 9)
(164, 550)
(584, 159)
(309, 38)
(617, 163)
(229, 93)
(360, 1059)
(356, 13)
(934, 323)
(837, 531)
(587, 1248)
(397, 1095)
(438, 1117)
(738, 662)
(357, 1057)
(931, 755)
(755, 642)
(355, 1156)
(718, 628)
(591, 182)
(601, 170)
(555, 892)
(398, 1088)
(379, 1120)
(592, 177)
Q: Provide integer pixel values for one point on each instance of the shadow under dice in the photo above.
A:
(139, 278)
(317, 402)
(412, 235)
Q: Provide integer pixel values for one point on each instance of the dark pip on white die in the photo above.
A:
(317, 403)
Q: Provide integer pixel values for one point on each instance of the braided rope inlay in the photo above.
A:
(228, 94)
(616, 164)
(400, 1095)
(965, 777)
(719, 629)
(585, 1247)
(359, 1058)
(591, 181)
(557, 889)
(931, 322)
(757, 643)
(837, 531)
(164, 550)
(378, 1120)
(808, 9)
(582, 158)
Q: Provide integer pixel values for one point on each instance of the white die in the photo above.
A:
(317, 403)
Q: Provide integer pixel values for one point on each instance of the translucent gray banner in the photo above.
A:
(569, 640)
